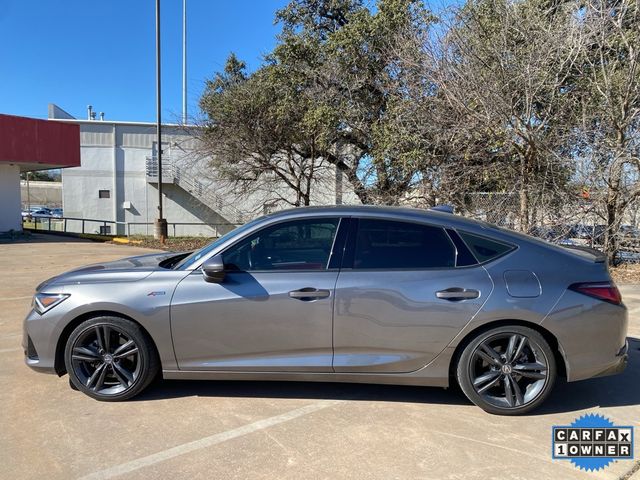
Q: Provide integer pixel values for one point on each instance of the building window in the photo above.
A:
(104, 193)
(105, 229)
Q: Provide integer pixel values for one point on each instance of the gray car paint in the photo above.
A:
(385, 332)
(522, 283)
(392, 322)
(249, 322)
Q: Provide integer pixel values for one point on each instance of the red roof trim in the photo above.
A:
(31, 141)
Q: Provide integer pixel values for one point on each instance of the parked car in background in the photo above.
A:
(37, 212)
(580, 231)
(627, 256)
(57, 212)
(579, 234)
(550, 234)
(597, 234)
(339, 294)
(630, 234)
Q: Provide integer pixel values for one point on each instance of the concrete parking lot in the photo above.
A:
(234, 430)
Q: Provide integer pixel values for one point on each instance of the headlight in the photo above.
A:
(43, 302)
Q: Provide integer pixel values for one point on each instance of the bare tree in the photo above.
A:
(508, 67)
(531, 108)
(610, 128)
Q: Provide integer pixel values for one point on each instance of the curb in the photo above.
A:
(125, 241)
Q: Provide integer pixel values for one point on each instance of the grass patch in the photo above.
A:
(175, 244)
(626, 273)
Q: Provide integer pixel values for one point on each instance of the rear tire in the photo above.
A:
(508, 370)
(110, 358)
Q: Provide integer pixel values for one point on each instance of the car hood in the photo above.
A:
(130, 269)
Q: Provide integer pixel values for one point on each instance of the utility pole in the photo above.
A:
(160, 226)
(184, 62)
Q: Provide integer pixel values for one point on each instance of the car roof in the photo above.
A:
(440, 218)
(406, 213)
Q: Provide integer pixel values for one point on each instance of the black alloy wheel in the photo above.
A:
(507, 370)
(110, 358)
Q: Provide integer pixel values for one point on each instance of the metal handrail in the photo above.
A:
(84, 221)
(64, 220)
(195, 187)
(172, 225)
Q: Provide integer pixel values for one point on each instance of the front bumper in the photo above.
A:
(38, 343)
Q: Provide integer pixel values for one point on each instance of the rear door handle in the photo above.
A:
(456, 293)
(309, 293)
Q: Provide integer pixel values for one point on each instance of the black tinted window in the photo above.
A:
(295, 245)
(484, 248)
(389, 244)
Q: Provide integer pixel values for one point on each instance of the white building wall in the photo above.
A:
(113, 158)
(81, 185)
(10, 218)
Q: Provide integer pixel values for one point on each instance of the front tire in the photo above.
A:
(508, 370)
(110, 358)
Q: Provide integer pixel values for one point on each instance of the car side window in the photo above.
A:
(394, 245)
(483, 248)
(293, 245)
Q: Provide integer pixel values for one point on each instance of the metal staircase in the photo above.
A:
(175, 174)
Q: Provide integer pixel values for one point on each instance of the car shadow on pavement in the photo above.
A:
(613, 391)
(301, 390)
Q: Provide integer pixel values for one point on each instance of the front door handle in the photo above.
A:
(309, 293)
(456, 293)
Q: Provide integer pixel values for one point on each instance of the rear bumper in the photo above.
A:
(591, 334)
(622, 358)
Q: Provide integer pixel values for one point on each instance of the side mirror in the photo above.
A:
(213, 269)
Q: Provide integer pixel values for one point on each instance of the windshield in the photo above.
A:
(186, 262)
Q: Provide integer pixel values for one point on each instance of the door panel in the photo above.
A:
(393, 321)
(250, 322)
(400, 300)
(273, 310)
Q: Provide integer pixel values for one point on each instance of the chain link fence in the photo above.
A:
(568, 221)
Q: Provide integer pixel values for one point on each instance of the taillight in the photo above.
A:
(605, 291)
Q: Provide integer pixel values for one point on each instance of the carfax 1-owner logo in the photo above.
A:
(592, 442)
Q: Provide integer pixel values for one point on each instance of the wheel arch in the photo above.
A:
(546, 334)
(59, 365)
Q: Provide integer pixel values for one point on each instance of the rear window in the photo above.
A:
(484, 248)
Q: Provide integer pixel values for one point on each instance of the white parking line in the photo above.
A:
(7, 350)
(11, 335)
(208, 441)
(543, 458)
(6, 299)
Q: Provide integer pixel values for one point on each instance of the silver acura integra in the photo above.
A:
(339, 294)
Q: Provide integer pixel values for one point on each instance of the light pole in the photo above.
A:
(184, 62)
(160, 226)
